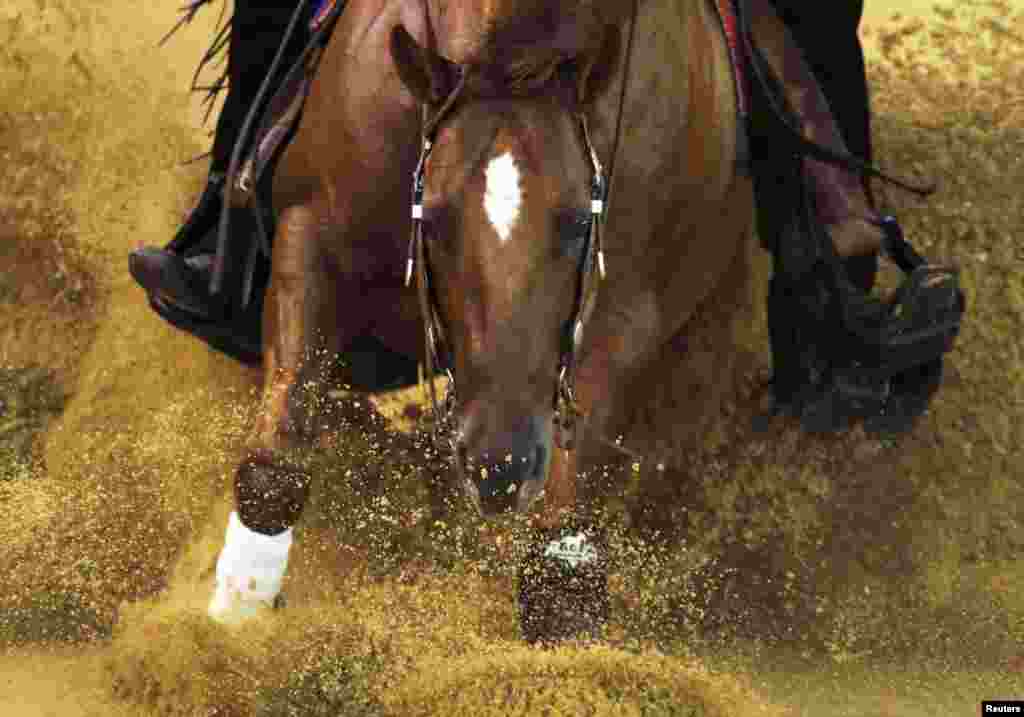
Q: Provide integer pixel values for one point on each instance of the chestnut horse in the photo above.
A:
(535, 109)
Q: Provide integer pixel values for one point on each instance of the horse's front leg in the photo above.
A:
(303, 333)
(563, 577)
(604, 372)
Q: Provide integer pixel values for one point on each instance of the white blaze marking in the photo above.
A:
(503, 196)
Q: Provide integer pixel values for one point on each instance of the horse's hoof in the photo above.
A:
(563, 587)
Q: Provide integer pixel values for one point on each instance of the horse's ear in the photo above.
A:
(424, 72)
(598, 67)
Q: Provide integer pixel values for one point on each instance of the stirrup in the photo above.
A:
(920, 323)
(842, 355)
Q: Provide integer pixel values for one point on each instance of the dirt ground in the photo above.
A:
(117, 524)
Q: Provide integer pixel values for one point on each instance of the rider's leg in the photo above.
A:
(179, 273)
(844, 204)
(827, 33)
(817, 370)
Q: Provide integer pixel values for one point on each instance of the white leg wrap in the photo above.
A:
(249, 572)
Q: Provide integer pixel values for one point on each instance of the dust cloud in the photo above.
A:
(849, 577)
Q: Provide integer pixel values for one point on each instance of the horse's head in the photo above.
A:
(506, 215)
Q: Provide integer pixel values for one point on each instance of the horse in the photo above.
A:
(578, 199)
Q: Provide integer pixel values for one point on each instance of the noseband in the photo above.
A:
(564, 398)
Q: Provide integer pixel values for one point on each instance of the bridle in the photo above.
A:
(589, 272)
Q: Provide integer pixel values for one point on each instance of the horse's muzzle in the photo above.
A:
(504, 471)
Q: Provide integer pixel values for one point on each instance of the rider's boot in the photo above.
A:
(177, 277)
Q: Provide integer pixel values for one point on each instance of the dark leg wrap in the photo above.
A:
(270, 493)
(558, 600)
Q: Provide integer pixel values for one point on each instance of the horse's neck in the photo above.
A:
(678, 111)
(674, 170)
